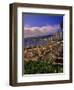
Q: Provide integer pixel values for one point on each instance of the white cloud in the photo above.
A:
(40, 31)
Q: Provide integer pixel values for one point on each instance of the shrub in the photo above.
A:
(36, 67)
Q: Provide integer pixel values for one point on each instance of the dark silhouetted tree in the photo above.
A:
(61, 25)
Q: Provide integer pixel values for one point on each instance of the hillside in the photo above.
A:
(53, 52)
(44, 54)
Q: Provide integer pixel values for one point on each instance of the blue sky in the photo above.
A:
(41, 20)
(39, 24)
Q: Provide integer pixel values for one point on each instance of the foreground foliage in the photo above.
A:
(36, 67)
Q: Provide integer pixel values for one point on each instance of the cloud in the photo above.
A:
(40, 31)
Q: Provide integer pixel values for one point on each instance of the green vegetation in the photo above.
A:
(44, 59)
(41, 66)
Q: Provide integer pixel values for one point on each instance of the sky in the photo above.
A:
(40, 24)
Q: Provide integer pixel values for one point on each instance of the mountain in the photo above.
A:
(42, 40)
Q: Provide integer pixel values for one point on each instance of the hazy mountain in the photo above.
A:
(40, 31)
